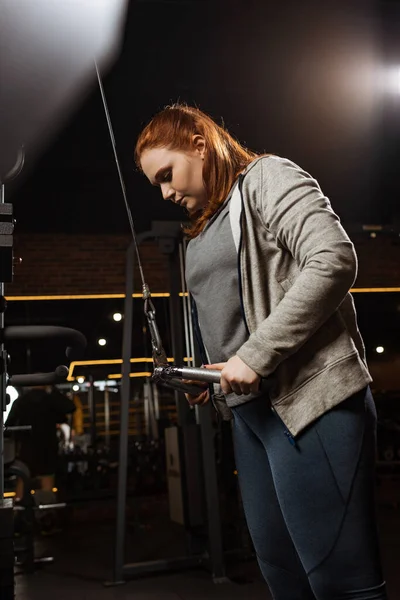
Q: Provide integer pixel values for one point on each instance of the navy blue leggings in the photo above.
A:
(310, 508)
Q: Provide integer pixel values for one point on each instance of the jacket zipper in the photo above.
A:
(241, 177)
(286, 431)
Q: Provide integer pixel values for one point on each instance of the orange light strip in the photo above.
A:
(158, 295)
(375, 290)
(119, 375)
(85, 297)
(110, 361)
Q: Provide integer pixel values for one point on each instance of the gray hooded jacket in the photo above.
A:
(296, 267)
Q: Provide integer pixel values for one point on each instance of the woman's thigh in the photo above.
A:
(277, 557)
(325, 490)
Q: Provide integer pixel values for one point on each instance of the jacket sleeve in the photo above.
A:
(294, 210)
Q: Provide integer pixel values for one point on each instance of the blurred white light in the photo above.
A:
(12, 392)
(117, 317)
(380, 349)
(393, 80)
(102, 384)
(80, 379)
(76, 388)
(102, 342)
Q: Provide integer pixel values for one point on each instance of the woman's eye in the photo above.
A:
(167, 176)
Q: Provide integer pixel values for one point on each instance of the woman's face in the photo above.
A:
(178, 173)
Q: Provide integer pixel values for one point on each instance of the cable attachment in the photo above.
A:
(146, 291)
(159, 355)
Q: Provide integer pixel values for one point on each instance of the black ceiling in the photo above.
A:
(293, 78)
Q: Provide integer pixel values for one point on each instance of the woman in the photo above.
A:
(269, 268)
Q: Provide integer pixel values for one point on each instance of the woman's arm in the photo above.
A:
(293, 208)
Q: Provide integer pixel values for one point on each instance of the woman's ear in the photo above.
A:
(199, 144)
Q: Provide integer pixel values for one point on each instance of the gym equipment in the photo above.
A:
(77, 342)
(193, 438)
(173, 379)
(6, 275)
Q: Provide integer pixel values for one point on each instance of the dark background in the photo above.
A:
(306, 80)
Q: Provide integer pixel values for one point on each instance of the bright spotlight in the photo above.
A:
(80, 379)
(393, 80)
(102, 342)
(12, 392)
(76, 388)
(380, 349)
(117, 317)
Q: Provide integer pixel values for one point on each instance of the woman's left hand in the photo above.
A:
(236, 376)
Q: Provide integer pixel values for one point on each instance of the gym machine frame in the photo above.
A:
(24, 333)
(168, 234)
(171, 377)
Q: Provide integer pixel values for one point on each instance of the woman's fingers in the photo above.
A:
(236, 376)
(201, 398)
(217, 366)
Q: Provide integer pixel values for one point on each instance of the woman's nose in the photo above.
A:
(167, 192)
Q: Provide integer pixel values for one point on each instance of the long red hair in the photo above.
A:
(174, 128)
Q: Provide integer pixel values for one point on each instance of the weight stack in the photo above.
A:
(6, 550)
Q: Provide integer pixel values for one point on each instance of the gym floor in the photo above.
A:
(83, 558)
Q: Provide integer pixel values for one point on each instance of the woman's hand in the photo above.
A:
(236, 376)
(202, 397)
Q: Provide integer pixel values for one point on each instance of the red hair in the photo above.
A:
(174, 128)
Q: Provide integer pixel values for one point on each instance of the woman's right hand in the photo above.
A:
(201, 398)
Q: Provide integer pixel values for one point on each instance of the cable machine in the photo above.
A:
(195, 428)
(72, 337)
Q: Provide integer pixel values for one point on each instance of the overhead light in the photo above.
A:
(80, 379)
(380, 349)
(117, 316)
(76, 388)
(393, 80)
(102, 342)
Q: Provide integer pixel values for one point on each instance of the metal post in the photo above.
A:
(215, 545)
(6, 505)
(92, 412)
(124, 421)
(193, 500)
(107, 415)
(160, 229)
(7, 558)
(3, 380)
(154, 391)
(149, 411)
(185, 414)
(146, 409)
(210, 477)
(152, 412)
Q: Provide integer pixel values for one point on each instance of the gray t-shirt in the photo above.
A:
(212, 278)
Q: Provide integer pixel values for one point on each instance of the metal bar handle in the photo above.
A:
(191, 373)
